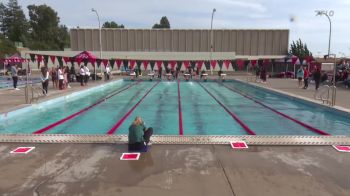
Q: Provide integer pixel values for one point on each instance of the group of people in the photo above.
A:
(303, 74)
(84, 74)
(60, 77)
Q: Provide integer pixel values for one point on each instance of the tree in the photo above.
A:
(164, 24)
(46, 34)
(299, 49)
(14, 24)
(6, 47)
(112, 24)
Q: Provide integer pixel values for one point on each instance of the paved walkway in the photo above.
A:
(196, 170)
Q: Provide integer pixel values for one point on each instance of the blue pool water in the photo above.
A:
(207, 108)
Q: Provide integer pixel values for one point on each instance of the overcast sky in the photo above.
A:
(196, 14)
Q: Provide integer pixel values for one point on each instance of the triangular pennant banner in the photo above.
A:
(200, 64)
(240, 64)
(253, 63)
(138, 63)
(220, 62)
(266, 62)
(246, 64)
(125, 64)
(260, 62)
(294, 60)
(207, 65)
(193, 64)
(227, 64)
(145, 64)
(159, 64)
(46, 58)
(53, 58)
(59, 59)
(213, 63)
(152, 63)
(234, 65)
(111, 62)
(32, 57)
(301, 59)
(186, 64)
(179, 65)
(132, 64)
(118, 62)
(39, 58)
(105, 62)
(172, 65)
(66, 60)
(98, 62)
(165, 63)
(72, 60)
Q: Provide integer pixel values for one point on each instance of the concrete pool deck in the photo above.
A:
(95, 169)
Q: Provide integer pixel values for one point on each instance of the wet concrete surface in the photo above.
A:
(96, 169)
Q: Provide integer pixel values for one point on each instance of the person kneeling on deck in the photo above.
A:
(139, 137)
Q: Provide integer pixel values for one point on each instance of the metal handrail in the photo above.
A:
(319, 95)
(334, 95)
(35, 90)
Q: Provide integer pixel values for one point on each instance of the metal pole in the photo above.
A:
(211, 40)
(330, 34)
(26, 89)
(100, 38)
(334, 82)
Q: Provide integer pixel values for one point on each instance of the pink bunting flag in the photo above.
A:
(172, 65)
(186, 64)
(105, 62)
(66, 59)
(200, 64)
(53, 58)
(213, 63)
(253, 63)
(39, 58)
(118, 62)
(159, 64)
(294, 60)
(132, 64)
(227, 64)
(145, 64)
(240, 64)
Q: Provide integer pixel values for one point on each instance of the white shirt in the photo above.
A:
(44, 78)
(87, 71)
(60, 74)
(82, 71)
(108, 70)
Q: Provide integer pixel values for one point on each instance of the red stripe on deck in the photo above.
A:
(234, 116)
(80, 112)
(120, 122)
(279, 113)
(181, 130)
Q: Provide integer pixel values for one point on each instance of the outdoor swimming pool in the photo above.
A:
(176, 108)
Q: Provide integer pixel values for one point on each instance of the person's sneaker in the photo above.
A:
(17, 89)
(150, 143)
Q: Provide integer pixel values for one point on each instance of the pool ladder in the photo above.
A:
(33, 93)
(324, 93)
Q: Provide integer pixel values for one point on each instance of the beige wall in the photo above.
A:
(242, 42)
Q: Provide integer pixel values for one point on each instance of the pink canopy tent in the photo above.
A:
(16, 58)
(85, 55)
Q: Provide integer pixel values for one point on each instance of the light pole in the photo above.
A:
(328, 14)
(100, 39)
(211, 40)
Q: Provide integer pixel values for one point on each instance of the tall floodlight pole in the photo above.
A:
(100, 38)
(328, 14)
(211, 40)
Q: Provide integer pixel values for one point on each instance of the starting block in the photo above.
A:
(151, 76)
(223, 77)
(187, 76)
(168, 75)
(132, 75)
(204, 76)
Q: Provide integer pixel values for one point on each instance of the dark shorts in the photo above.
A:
(300, 79)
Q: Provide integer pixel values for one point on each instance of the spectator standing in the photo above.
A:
(53, 73)
(61, 78)
(317, 78)
(82, 75)
(306, 78)
(87, 74)
(300, 76)
(44, 79)
(14, 73)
